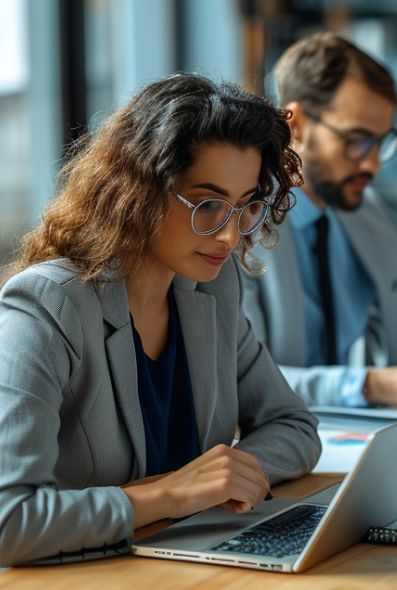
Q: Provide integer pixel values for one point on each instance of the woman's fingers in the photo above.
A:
(218, 476)
(223, 457)
(222, 476)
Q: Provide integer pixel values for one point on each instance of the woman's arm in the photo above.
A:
(41, 344)
(221, 476)
(276, 426)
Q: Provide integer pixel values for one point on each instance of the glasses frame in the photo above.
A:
(375, 139)
(232, 211)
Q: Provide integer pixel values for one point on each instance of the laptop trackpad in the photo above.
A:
(210, 527)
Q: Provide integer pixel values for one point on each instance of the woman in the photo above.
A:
(124, 355)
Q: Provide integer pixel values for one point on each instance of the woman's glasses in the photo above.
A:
(211, 215)
(358, 143)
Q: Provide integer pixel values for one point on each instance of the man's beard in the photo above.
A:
(332, 192)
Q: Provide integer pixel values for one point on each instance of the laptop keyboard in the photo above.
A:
(286, 534)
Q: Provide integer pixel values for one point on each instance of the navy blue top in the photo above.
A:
(165, 395)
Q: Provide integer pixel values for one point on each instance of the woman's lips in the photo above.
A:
(215, 259)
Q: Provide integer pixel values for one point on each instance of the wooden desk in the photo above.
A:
(359, 568)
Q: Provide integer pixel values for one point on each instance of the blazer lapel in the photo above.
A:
(375, 242)
(371, 238)
(283, 285)
(197, 312)
(122, 365)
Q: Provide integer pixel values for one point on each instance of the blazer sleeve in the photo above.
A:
(275, 424)
(40, 347)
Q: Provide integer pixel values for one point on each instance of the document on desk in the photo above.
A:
(344, 433)
(341, 450)
(376, 412)
(356, 419)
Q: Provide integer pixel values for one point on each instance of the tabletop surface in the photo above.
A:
(360, 567)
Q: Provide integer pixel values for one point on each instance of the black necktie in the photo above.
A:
(321, 250)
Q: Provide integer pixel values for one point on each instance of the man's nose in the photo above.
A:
(370, 162)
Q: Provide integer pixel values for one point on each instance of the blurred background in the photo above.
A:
(65, 64)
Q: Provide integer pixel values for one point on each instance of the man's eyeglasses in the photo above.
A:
(211, 215)
(358, 143)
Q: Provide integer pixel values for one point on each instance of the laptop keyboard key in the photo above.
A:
(286, 534)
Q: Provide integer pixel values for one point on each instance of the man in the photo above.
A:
(322, 312)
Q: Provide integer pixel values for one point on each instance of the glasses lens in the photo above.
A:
(358, 147)
(210, 215)
(252, 216)
(388, 146)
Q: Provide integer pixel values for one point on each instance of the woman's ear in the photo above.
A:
(296, 122)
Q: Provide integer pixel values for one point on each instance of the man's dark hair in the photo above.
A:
(312, 69)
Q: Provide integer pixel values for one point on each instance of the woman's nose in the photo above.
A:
(229, 234)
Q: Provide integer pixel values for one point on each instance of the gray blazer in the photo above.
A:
(71, 429)
(274, 300)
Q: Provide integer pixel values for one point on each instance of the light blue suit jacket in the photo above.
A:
(274, 301)
(71, 429)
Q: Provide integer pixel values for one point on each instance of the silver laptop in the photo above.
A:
(286, 535)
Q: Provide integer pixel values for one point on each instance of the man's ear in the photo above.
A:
(296, 122)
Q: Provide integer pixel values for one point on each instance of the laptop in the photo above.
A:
(290, 535)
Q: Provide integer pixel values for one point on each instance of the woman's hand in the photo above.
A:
(223, 476)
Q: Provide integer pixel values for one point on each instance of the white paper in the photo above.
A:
(341, 450)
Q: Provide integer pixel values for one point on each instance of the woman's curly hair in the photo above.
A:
(113, 191)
